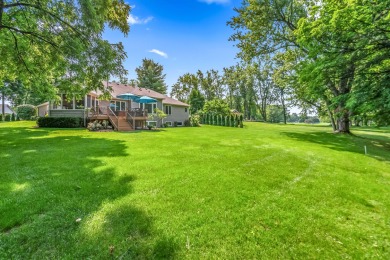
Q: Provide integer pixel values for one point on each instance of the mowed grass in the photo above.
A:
(265, 191)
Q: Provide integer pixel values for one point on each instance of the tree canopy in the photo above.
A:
(150, 75)
(51, 44)
(333, 55)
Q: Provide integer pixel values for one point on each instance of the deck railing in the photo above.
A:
(97, 111)
(130, 119)
(138, 112)
(113, 118)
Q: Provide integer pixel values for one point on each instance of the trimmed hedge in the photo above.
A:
(232, 120)
(60, 122)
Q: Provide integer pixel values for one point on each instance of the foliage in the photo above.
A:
(158, 115)
(194, 120)
(150, 75)
(217, 107)
(51, 44)
(187, 122)
(60, 122)
(211, 84)
(184, 86)
(7, 117)
(275, 114)
(196, 101)
(25, 112)
(13, 117)
(332, 56)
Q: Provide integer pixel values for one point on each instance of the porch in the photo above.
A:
(130, 119)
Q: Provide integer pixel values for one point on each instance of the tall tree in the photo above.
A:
(349, 44)
(196, 100)
(50, 44)
(211, 83)
(183, 87)
(150, 75)
(342, 49)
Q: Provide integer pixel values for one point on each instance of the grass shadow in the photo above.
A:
(55, 186)
(378, 147)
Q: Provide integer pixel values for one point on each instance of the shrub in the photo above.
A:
(95, 126)
(236, 123)
(175, 124)
(187, 123)
(231, 120)
(60, 122)
(25, 112)
(194, 120)
(13, 117)
(7, 117)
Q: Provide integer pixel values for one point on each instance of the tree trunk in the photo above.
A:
(2, 104)
(283, 106)
(343, 122)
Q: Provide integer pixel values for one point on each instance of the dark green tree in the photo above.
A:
(196, 101)
(150, 75)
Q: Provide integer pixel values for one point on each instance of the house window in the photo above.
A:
(185, 110)
(168, 110)
(150, 107)
(67, 102)
(79, 104)
(179, 123)
(152, 123)
(169, 123)
(118, 105)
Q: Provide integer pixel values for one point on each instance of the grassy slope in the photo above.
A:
(210, 192)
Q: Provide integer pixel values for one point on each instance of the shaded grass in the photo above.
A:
(265, 191)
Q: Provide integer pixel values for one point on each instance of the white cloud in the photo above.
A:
(215, 1)
(161, 53)
(136, 20)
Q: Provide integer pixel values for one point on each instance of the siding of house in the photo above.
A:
(43, 109)
(178, 114)
(67, 113)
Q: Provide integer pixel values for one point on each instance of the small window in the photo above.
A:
(168, 110)
(179, 123)
(185, 110)
(152, 123)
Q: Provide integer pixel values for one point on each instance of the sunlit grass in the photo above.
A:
(265, 191)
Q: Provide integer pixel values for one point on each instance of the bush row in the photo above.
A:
(9, 117)
(232, 120)
(60, 122)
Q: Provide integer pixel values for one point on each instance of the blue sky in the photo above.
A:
(182, 35)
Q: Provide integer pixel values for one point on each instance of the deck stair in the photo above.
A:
(124, 125)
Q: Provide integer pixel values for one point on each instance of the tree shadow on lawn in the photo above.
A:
(378, 148)
(50, 181)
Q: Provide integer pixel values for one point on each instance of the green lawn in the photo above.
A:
(265, 191)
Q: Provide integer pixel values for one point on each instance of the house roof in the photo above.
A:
(118, 89)
(7, 109)
(43, 104)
